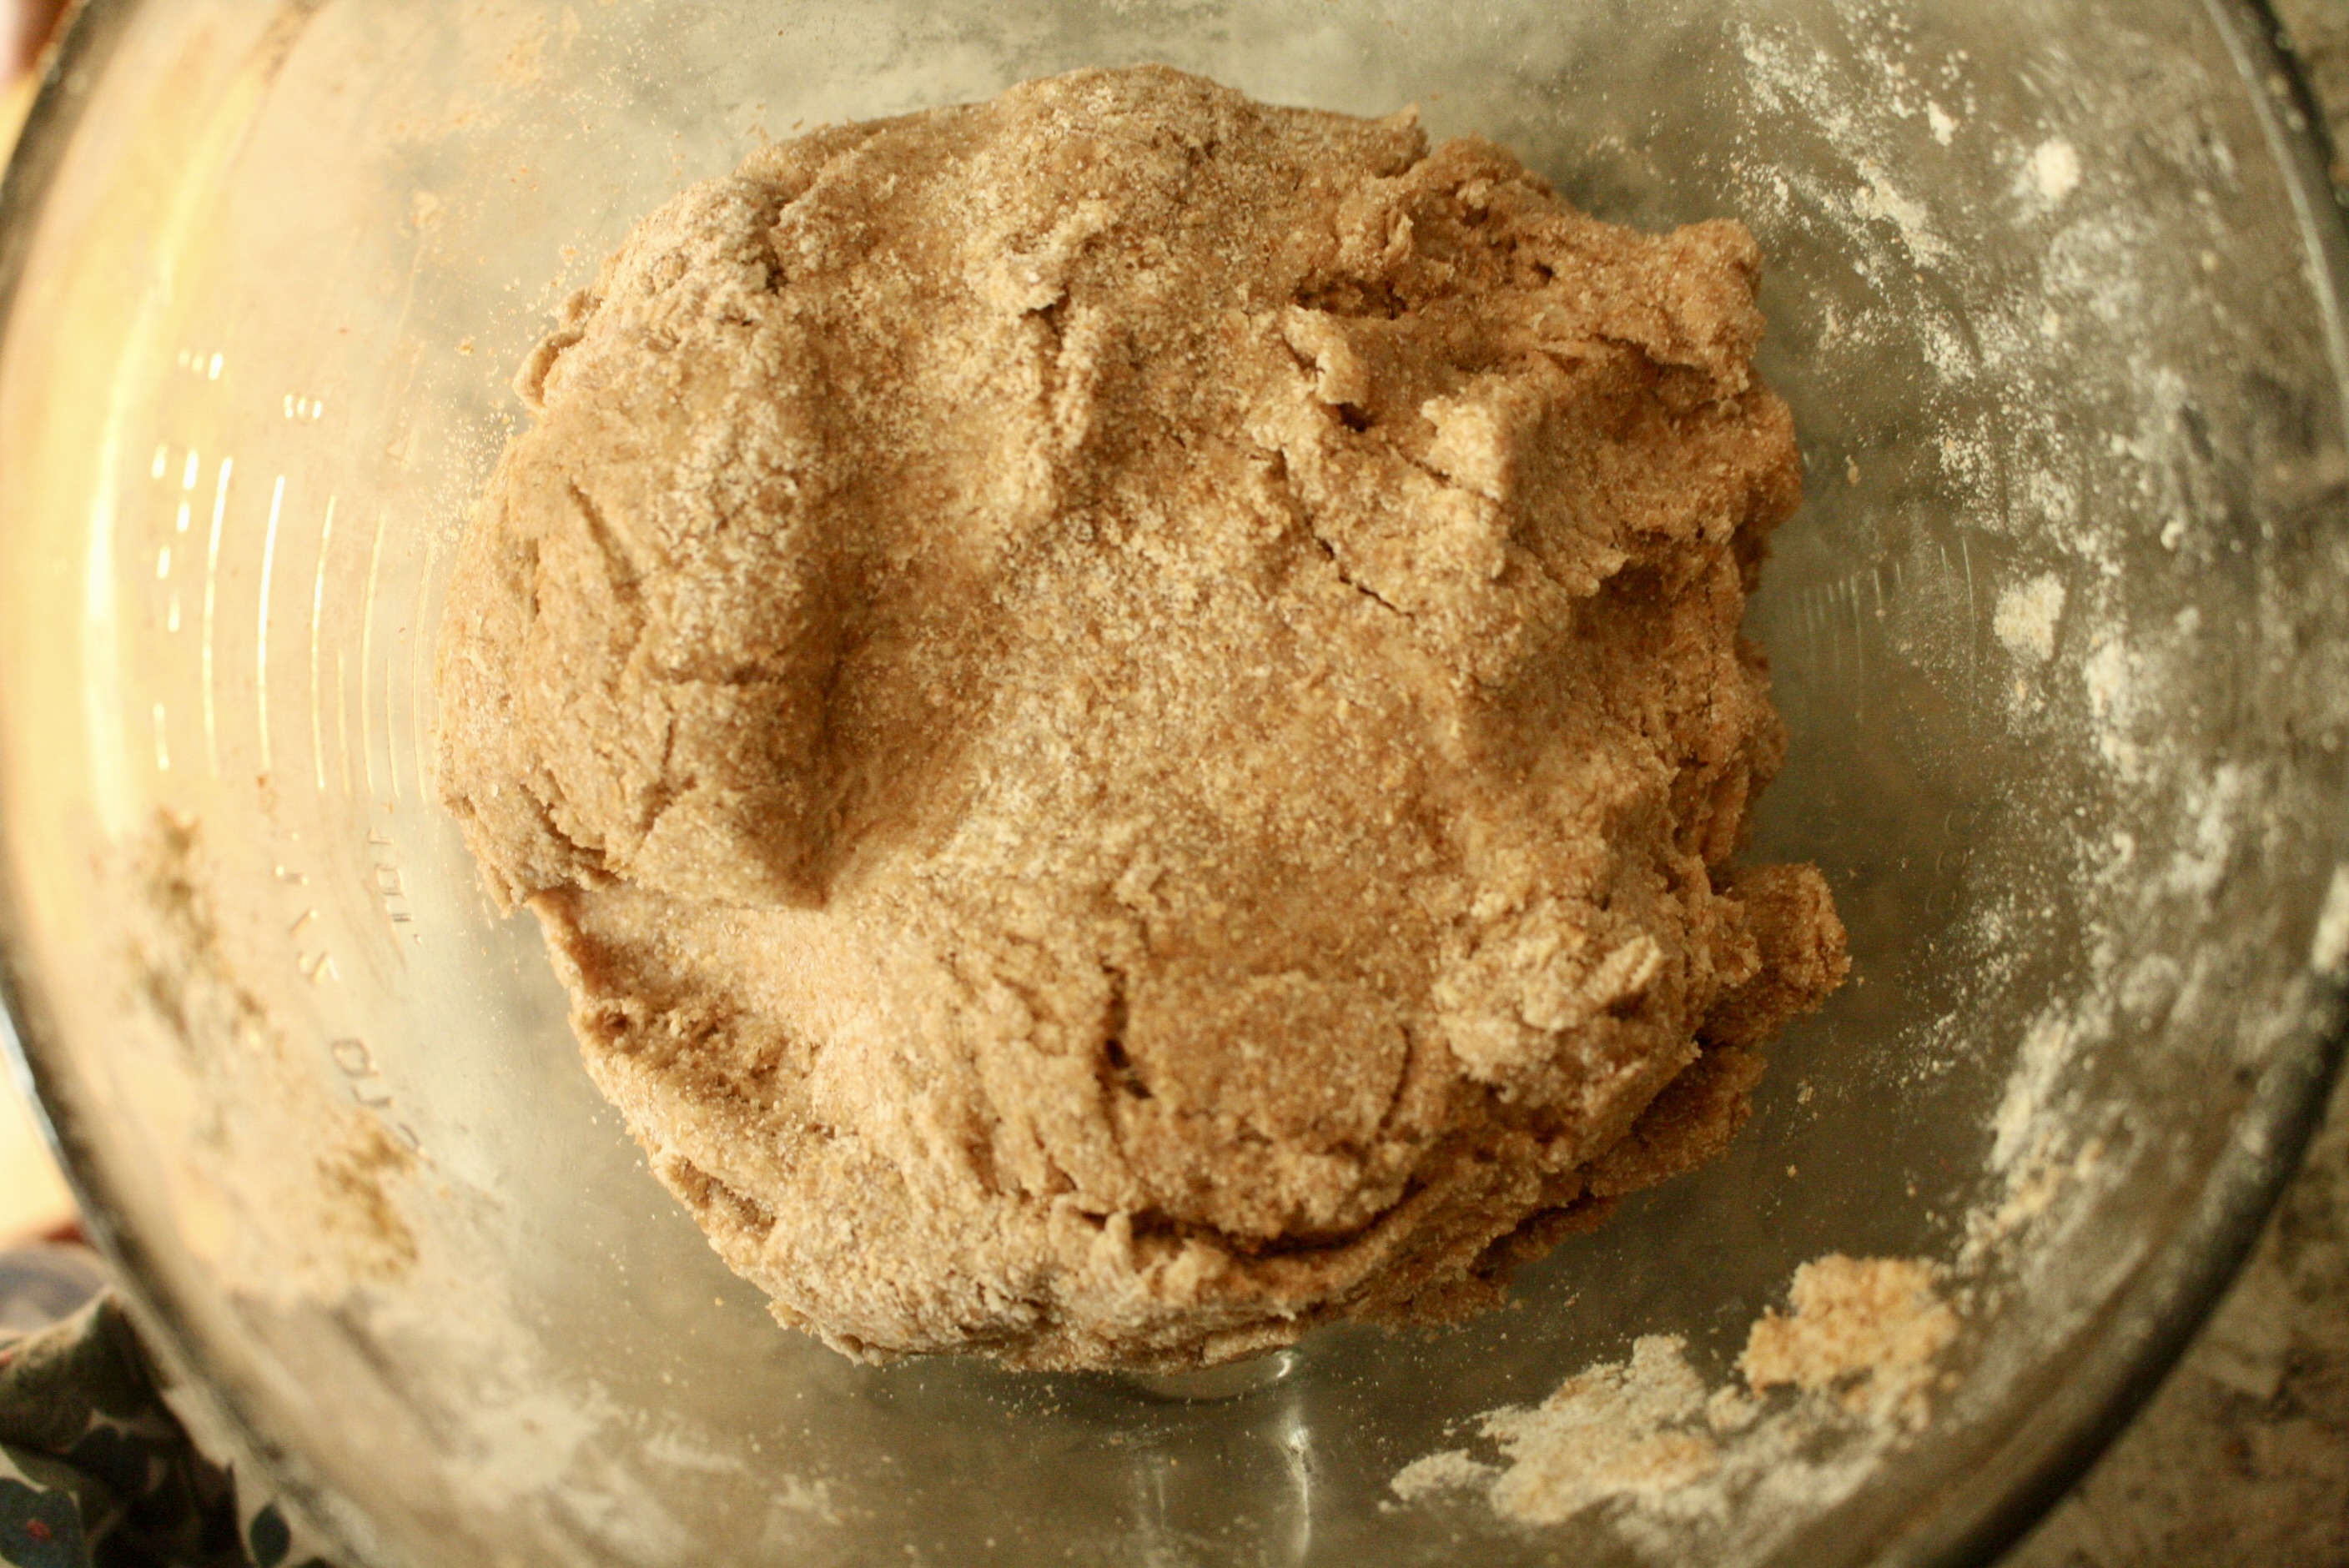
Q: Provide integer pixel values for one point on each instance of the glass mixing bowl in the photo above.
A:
(2053, 290)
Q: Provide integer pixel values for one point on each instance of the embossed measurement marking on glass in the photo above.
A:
(418, 752)
(393, 891)
(1966, 554)
(357, 1064)
(389, 882)
(211, 598)
(343, 719)
(367, 663)
(317, 619)
(180, 524)
(317, 967)
(261, 620)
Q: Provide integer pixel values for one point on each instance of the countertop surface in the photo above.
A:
(2243, 1456)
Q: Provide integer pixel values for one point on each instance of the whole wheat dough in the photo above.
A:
(1124, 713)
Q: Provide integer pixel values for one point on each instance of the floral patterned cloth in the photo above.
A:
(96, 1472)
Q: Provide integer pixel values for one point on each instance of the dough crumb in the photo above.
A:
(1867, 1330)
(1686, 1469)
(2026, 617)
(1124, 711)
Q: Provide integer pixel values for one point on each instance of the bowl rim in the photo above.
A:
(2149, 1325)
(2144, 1329)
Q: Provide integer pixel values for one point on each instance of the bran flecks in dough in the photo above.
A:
(1124, 711)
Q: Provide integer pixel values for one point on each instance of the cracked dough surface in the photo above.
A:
(1124, 713)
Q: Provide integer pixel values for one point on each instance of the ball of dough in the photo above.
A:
(1124, 711)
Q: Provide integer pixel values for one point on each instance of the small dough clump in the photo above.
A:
(1124, 711)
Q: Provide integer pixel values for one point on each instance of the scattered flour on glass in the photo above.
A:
(1625, 1430)
(1827, 1388)
(334, 1232)
(2328, 950)
(2027, 616)
(2054, 169)
(1451, 1470)
(2038, 521)
(274, 1181)
(1786, 77)
(2040, 510)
